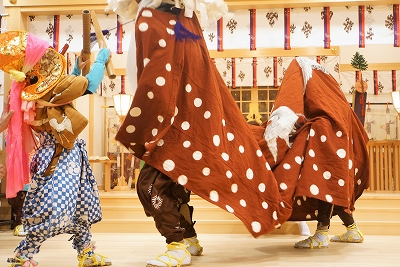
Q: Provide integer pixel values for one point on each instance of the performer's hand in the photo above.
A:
(2, 171)
(102, 45)
(6, 116)
(81, 63)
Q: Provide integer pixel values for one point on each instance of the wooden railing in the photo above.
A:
(384, 164)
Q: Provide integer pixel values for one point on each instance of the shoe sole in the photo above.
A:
(347, 241)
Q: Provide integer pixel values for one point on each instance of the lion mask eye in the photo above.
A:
(33, 79)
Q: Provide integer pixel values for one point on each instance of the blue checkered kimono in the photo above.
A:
(65, 202)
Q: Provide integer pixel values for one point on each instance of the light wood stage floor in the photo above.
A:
(233, 250)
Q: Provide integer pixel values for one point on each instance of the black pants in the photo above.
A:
(164, 200)
(16, 204)
(325, 211)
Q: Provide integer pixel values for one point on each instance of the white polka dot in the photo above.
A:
(162, 43)
(185, 125)
(168, 165)
(327, 175)
(216, 140)
(249, 174)
(234, 188)
(339, 133)
(241, 149)
(286, 166)
(206, 171)
(341, 153)
(256, 226)
(186, 144)
(311, 153)
(228, 174)
(143, 27)
(160, 81)
(176, 111)
(172, 22)
(225, 156)
(146, 61)
(283, 186)
(135, 112)
(230, 136)
(275, 215)
(160, 142)
(308, 216)
(160, 118)
(355, 171)
(312, 132)
(298, 160)
(243, 203)
(214, 196)
(188, 88)
(267, 166)
(168, 67)
(223, 122)
(358, 181)
(154, 132)
(172, 120)
(207, 114)
(229, 209)
(264, 205)
(197, 155)
(314, 189)
(329, 198)
(350, 164)
(323, 138)
(150, 95)
(182, 180)
(315, 167)
(198, 102)
(261, 187)
(170, 31)
(304, 198)
(259, 153)
(298, 202)
(130, 129)
(341, 182)
(147, 13)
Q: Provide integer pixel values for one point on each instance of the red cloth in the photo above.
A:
(328, 157)
(184, 122)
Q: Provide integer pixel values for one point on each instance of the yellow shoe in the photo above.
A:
(87, 258)
(353, 235)
(193, 246)
(319, 240)
(19, 230)
(176, 256)
(21, 261)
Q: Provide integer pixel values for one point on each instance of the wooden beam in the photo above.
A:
(372, 66)
(62, 7)
(275, 52)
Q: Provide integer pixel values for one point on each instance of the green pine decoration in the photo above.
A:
(358, 62)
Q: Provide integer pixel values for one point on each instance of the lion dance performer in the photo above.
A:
(63, 197)
(185, 125)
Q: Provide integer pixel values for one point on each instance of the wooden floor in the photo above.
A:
(233, 250)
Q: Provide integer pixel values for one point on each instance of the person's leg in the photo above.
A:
(16, 204)
(353, 234)
(320, 239)
(303, 228)
(156, 193)
(186, 220)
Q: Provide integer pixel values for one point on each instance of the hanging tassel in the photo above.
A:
(182, 33)
(18, 76)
